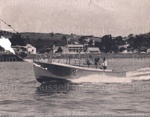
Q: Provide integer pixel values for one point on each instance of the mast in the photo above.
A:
(7, 25)
(0, 25)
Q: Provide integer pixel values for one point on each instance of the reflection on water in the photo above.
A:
(55, 87)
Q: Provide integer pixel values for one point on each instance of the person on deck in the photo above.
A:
(104, 64)
(89, 60)
(96, 60)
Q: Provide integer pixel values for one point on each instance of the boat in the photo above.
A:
(49, 71)
(6, 56)
(12, 57)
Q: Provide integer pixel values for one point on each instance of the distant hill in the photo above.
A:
(107, 43)
(5, 33)
(41, 40)
(46, 36)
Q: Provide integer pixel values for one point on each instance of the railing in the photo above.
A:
(66, 59)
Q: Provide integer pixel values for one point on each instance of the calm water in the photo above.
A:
(22, 95)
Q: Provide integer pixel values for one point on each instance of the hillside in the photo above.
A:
(107, 43)
(42, 40)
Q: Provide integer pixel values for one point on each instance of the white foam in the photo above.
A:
(140, 74)
(102, 79)
(6, 44)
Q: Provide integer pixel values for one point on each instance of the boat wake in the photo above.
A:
(101, 79)
(139, 74)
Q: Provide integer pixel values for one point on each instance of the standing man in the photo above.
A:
(104, 64)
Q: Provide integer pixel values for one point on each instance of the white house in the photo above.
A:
(75, 48)
(125, 51)
(123, 46)
(93, 50)
(31, 49)
(148, 50)
(70, 48)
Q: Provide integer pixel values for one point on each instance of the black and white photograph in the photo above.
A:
(74, 58)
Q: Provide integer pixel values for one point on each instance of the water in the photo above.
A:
(22, 95)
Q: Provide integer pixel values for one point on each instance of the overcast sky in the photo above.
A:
(85, 17)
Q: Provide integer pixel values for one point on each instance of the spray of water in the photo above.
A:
(97, 78)
(140, 74)
(6, 44)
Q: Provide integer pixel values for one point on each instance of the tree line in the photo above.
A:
(109, 44)
(106, 44)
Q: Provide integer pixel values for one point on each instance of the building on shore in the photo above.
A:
(148, 50)
(126, 49)
(60, 49)
(93, 50)
(75, 48)
(19, 49)
(31, 49)
(27, 49)
(70, 49)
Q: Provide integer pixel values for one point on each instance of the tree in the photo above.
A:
(115, 48)
(27, 40)
(106, 43)
(39, 40)
(64, 40)
(97, 44)
(17, 40)
(91, 43)
(82, 40)
(52, 35)
(118, 40)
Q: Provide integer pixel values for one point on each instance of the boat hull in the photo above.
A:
(47, 72)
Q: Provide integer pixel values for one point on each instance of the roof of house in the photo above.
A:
(62, 47)
(78, 45)
(93, 49)
(29, 45)
(123, 46)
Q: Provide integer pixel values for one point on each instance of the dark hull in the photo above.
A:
(47, 72)
(10, 58)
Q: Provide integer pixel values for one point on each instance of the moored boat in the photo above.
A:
(10, 58)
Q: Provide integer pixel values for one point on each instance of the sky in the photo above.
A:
(82, 17)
